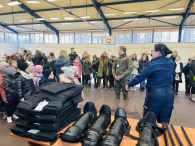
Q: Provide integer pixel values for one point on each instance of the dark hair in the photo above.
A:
(135, 57)
(189, 59)
(51, 53)
(164, 50)
(85, 57)
(72, 48)
(123, 48)
(25, 51)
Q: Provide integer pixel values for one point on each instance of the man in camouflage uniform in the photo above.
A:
(121, 69)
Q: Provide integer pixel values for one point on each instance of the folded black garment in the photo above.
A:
(46, 118)
(73, 115)
(52, 108)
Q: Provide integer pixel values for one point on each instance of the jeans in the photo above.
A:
(86, 78)
(111, 80)
(175, 86)
(131, 77)
(143, 83)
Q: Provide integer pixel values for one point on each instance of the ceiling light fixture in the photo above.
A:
(1, 6)
(37, 25)
(52, 0)
(12, 26)
(176, 9)
(149, 11)
(54, 18)
(69, 18)
(13, 3)
(110, 14)
(40, 19)
(85, 17)
(169, 17)
(66, 23)
(22, 20)
(94, 22)
(131, 19)
(32, 2)
(129, 12)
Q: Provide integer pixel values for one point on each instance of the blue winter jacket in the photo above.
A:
(62, 63)
(43, 81)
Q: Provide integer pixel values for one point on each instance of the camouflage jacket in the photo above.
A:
(122, 66)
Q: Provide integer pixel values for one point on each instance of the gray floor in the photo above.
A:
(183, 113)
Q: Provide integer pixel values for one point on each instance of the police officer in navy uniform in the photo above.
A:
(159, 73)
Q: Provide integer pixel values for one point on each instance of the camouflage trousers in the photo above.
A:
(118, 85)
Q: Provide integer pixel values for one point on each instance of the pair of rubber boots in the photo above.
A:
(89, 129)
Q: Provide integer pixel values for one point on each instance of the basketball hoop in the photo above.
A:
(108, 41)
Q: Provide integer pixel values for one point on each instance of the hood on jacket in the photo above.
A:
(62, 62)
(64, 79)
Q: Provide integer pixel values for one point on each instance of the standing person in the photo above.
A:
(51, 63)
(86, 68)
(62, 61)
(103, 70)
(173, 56)
(95, 70)
(78, 64)
(72, 55)
(24, 82)
(121, 69)
(29, 53)
(44, 59)
(146, 55)
(159, 73)
(142, 64)
(177, 75)
(110, 77)
(87, 55)
(38, 58)
(20, 58)
(9, 88)
(192, 79)
(186, 71)
(38, 69)
(24, 53)
(135, 70)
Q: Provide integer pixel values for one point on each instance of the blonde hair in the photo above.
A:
(103, 53)
(11, 61)
(174, 52)
(38, 52)
(63, 54)
(30, 52)
(49, 56)
(178, 56)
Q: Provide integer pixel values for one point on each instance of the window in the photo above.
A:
(192, 35)
(166, 35)
(83, 38)
(1, 37)
(66, 38)
(36, 38)
(97, 37)
(122, 36)
(185, 35)
(23, 38)
(50, 38)
(142, 36)
(10, 38)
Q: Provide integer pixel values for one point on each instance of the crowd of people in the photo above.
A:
(22, 74)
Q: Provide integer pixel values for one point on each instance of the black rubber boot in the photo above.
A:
(94, 136)
(117, 129)
(75, 132)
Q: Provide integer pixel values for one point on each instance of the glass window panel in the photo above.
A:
(23, 38)
(10, 38)
(77, 38)
(72, 38)
(185, 35)
(142, 37)
(135, 37)
(67, 39)
(36, 38)
(192, 35)
(55, 39)
(149, 37)
(128, 38)
(165, 37)
(174, 37)
(62, 39)
(1, 37)
(157, 37)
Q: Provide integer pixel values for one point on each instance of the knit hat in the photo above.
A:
(46, 67)
(22, 66)
(47, 73)
(37, 68)
(10, 70)
(67, 71)
(75, 68)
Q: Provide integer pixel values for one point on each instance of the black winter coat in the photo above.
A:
(180, 73)
(186, 70)
(24, 87)
(9, 86)
(72, 56)
(142, 64)
(43, 81)
(52, 65)
(20, 61)
(95, 67)
(38, 60)
(110, 68)
(191, 74)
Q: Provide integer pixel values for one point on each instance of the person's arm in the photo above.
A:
(136, 64)
(95, 62)
(18, 84)
(110, 62)
(181, 68)
(140, 77)
(83, 68)
(114, 69)
(129, 64)
(6, 87)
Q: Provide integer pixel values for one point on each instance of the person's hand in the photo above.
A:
(116, 78)
(22, 100)
(90, 66)
(84, 74)
(176, 75)
(188, 76)
(127, 88)
(147, 51)
(96, 72)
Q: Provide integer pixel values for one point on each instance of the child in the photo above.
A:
(78, 64)
(177, 74)
(9, 88)
(86, 71)
(68, 75)
(20, 58)
(75, 79)
(95, 70)
(37, 75)
(31, 66)
(48, 77)
(13, 63)
(186, 71)
(2, 92)
(24, 82)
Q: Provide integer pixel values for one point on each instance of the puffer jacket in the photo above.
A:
(38, 60)
(86, 67)
(79, 65)
(43, 81)
(9, 86)
(36, 79)
(24, 87)
(52, 65)
(62, 63)
(135, 68)
(3, 93)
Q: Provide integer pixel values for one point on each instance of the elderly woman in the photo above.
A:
(103, 70)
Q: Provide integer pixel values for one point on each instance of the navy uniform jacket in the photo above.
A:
(159, 74)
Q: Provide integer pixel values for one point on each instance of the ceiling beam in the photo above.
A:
(185, 16)
(80, 6)
(103, 18)
(163, 22)
(47, 24)
(5, 26)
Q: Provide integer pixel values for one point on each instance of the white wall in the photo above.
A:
(185, 50)
(8, 49)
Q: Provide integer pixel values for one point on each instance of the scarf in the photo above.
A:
(26, 76)
(178, 69)
(49, 61)
(104, 59)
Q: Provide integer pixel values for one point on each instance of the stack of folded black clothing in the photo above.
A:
(51, 108)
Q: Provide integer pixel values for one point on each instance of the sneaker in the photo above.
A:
(131, 89)
(4, 117)
(89, 86)
(105, 89)
(98, 88)
(134, 89)
(15, 117)
(9, 119)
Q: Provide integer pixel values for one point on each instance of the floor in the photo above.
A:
(183, 113)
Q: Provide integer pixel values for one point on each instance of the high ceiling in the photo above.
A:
(28, 12)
